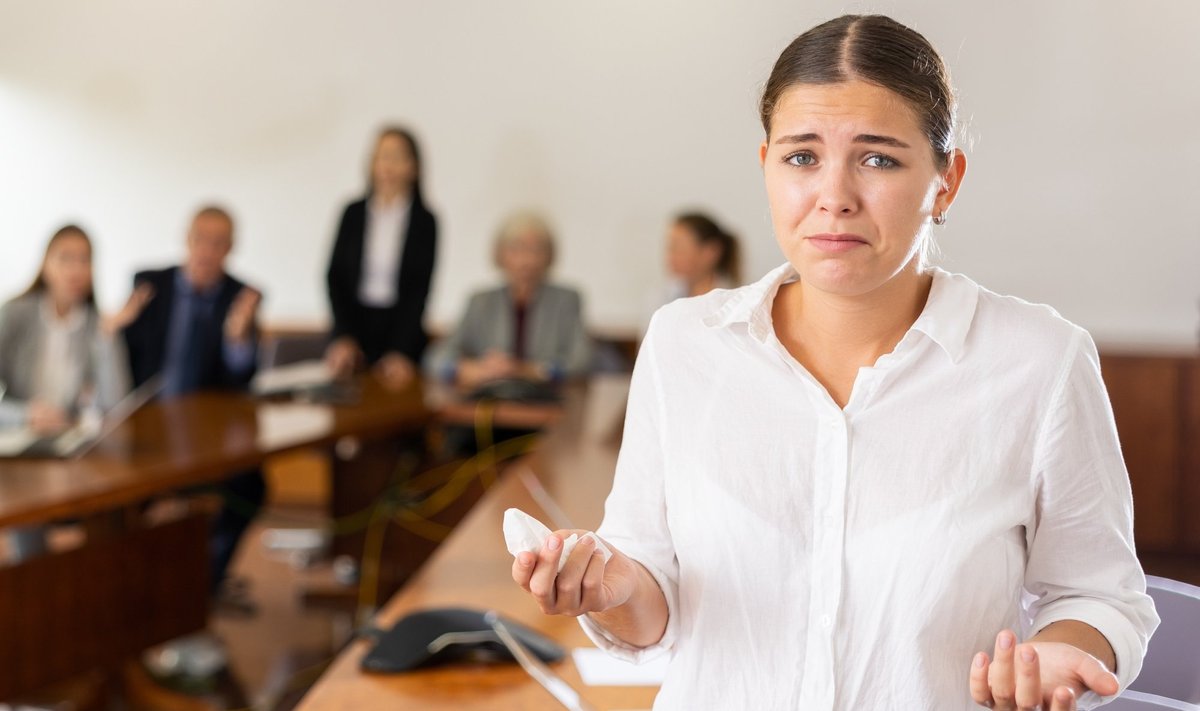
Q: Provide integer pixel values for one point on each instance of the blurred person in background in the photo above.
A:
(58, 361)
(526, 327)
(382, 266)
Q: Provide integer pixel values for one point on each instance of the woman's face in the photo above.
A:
(68, 270)
(852, 184)
(393, 169)
(687, 258)
(524, 258)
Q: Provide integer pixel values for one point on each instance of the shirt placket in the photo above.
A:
(832, 460)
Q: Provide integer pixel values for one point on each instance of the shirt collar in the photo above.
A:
(70, 323)
(946, 318)
(949, 312)
(184, 286)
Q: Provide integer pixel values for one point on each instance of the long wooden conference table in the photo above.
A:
(574, 466)
(133, 582)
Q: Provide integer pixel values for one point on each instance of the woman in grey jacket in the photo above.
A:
(57, 360)
(526, 328)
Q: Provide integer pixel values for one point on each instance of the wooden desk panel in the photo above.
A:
(97, 605)
(89, 608)
(472, 569)
(198, 439)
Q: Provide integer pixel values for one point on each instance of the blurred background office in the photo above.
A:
(1078, 119)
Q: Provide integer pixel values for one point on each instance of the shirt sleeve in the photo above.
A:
(13, 411)
(577, 358)
(110, 369)
(1082, 564)
(635, 514)
(238, 357)
(441, 360)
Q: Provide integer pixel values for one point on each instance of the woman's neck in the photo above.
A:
(390, 196)
(862, 327)
(703, 285)
(522, 293)
(61, 308)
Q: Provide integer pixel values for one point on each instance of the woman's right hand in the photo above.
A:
(342, 357)
(585, 584)
(46, 419)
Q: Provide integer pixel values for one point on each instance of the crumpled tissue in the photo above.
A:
(523, 532)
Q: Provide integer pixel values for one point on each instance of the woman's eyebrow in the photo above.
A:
(868, 138)
(880, 140)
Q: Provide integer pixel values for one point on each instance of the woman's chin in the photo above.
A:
(837, 276)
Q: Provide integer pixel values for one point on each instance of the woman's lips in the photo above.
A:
(836, 242)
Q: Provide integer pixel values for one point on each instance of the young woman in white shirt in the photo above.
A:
(862, 481)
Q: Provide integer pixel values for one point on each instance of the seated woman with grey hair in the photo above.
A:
(525, 328)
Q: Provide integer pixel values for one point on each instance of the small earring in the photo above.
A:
(939, 219)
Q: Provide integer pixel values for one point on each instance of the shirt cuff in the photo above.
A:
(1115, 627)
(239, 357)
(623, 650)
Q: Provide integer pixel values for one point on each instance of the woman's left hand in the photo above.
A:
(396, 371)
(1033, 675)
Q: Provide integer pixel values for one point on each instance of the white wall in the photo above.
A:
(1082, 191)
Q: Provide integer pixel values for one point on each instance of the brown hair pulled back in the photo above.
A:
(874, 49)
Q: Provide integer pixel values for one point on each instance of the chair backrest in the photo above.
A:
(1139, 701)
(1172, 666)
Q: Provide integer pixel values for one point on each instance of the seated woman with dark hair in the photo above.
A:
(57, 361)
(526, 328)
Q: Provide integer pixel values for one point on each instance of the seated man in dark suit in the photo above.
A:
(195, 324)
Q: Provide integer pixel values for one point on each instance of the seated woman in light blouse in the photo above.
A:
(701, 256)
(863, 482)
(57, 360)
(525, 328)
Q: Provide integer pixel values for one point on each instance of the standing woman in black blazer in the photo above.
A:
(382, 266)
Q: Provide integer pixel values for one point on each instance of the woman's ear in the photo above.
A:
(952, 177)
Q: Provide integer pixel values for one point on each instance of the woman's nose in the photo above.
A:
(838, 195)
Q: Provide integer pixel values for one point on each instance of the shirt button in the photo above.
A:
(826, 621)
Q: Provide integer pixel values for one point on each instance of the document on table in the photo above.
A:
(597, 668)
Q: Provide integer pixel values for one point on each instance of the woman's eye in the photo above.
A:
(801, 158)
(878, 160)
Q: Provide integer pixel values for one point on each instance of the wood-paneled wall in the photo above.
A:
(1156, 403)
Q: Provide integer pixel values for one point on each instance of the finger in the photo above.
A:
(1000, 675)
(1096, 676)
(1028, 677)
(1063, 699)
(541, 583)
(570, 578)
(591, 598)
(522, 569)
(981, 693)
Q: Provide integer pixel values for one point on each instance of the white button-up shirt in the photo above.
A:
(383, 242)
(820, 558)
